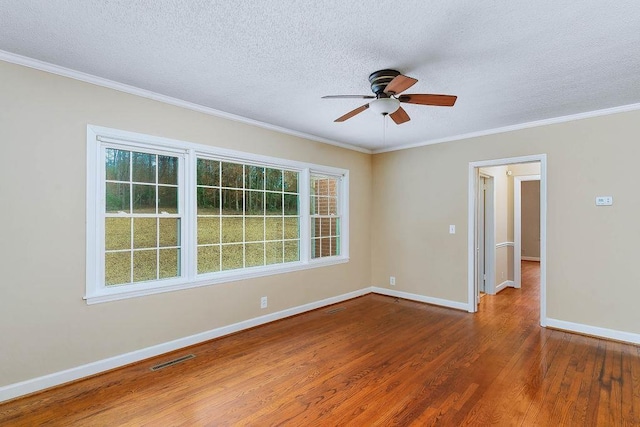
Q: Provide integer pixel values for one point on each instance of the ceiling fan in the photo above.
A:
(387, 86)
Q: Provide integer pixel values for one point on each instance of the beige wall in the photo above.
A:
(591, 276)
(45, 326)
(530, 218)
(401, 206)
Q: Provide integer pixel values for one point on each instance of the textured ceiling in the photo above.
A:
(509, 62)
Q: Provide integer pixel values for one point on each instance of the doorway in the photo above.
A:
(477, 237)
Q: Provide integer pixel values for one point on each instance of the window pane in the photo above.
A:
(232, 229)
(326, 227)
(168, 199)
(232, 203)
(208, 259)
(323, 206)
(254, 229)
(231, 175)
(315, 248)
(117, 164)
(273, 179)
(232, 257)
(291, 228)
(325, 247)
(316, 230)
(274, 203)
(208, 201)
(291, 204)
(291, 181)
(167, 170)
(332, 205)
(332, 187)
(169, 232)
(274, 252)
(144, 167)
(291, 251)
(322, 186)
(117, 197)
(254, 202)
(208, 172)
(313, 208)
(273, 228)
(254, 177)
(208, 230)
(144, 265)
(117, 268)
(335, 246)
(254, 254)
(144, 233)
(117, 233)
(169, 263)
(144, 198)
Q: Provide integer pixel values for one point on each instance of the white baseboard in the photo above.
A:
(504, 285)
(595, 331)
(421, 298)
(12, 391)
(530, 258)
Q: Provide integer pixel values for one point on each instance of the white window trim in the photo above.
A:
(96, 292)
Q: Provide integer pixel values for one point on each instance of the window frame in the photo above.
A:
(98, 138)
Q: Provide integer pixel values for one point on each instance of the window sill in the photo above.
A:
(118, 293)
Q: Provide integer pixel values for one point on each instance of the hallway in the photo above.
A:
(526, 299)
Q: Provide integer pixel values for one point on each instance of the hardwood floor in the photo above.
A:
(373, 360)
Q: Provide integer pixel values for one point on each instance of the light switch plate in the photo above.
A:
(452, 229)
(604, 200)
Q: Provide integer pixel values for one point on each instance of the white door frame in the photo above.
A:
(471, 227)
(488, 247)
(517, 225)
(480, 240)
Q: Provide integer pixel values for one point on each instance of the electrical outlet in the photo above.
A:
(263, 302)
(392, 280)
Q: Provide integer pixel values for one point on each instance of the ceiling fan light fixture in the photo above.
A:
(384, 106)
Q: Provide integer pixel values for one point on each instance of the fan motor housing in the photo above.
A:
(380, 79)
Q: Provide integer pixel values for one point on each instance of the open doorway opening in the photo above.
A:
(494, 259)
(526, 222)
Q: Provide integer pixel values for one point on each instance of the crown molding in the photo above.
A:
(537, 123)
(121, 87)
(132, 90)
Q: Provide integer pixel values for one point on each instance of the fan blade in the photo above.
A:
(352, 113)
(400, 83)
(400, 116)
(348, 96)
(429, 99)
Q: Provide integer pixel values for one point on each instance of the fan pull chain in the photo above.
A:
(384, 131)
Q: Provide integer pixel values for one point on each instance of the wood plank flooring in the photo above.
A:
(379, 361)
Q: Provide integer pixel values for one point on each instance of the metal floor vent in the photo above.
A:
(172, 362)
(335, 310)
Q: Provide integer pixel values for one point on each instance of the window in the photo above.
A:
(164, 215)
(142, 217)
(247, 215)
(325, 216)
